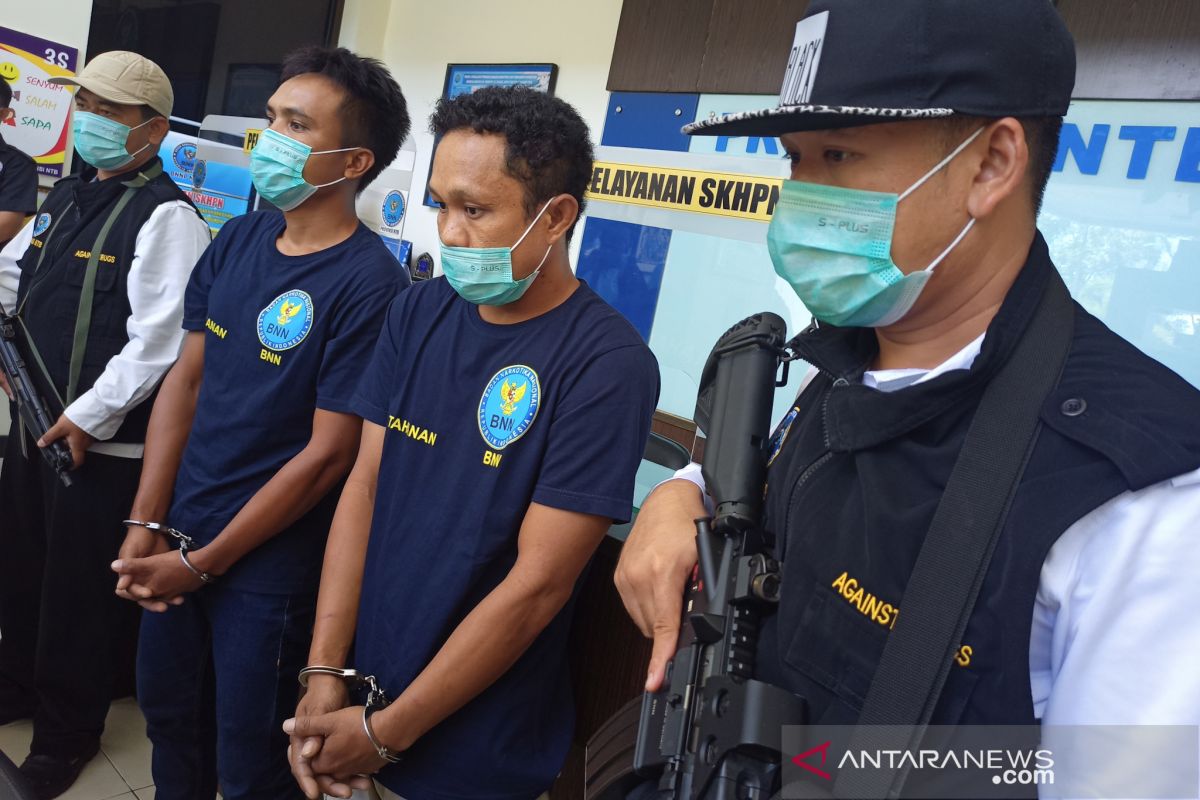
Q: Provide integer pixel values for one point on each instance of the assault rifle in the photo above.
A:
(712, 731)
(32, 396)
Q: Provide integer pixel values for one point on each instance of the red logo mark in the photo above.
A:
(823, 749)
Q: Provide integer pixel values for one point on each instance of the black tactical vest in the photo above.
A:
(856, 481)
(52, 271)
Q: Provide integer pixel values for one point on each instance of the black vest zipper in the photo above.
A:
(811, 469)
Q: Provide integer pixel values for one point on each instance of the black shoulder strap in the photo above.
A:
(954, 557)
(83, 316)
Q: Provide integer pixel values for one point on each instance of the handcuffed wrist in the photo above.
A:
(199, 573)
(202, 560)
(386, 753)
(389, 726)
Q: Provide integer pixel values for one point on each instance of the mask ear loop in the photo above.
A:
(954, 244)
(527, 230)
(331, 183)
(938, 168)
(543, 262)
(323, 152)
(143, 147)
(339, 150)
(940, 165)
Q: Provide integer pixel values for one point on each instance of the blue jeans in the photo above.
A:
(216, 679)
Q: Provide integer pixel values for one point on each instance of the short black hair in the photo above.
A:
(1042, 136)
(1041, 139)
(547, 144)
(375, 114)
(5, 93)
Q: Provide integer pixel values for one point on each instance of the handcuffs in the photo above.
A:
(377, 700)
(185, 543)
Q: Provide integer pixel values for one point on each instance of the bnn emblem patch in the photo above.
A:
(285, 322)
(509, 405)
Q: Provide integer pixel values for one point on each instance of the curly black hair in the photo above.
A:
(375, 114)
(548, 147)
(5, 93)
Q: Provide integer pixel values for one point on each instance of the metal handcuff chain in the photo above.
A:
(186, 543)
(377, 700)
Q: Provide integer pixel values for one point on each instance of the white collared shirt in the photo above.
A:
(168, 245)
(1114, 638)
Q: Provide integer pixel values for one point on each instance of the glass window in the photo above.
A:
(1122, 218)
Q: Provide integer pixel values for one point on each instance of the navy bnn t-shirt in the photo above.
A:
(481, 420)
(284, 335)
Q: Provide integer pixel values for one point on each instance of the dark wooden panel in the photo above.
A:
(1128, 49)
(608, 655)
(660, 45)
(677, 429)
(680, 430)
(1136, 49)
(608, 659)
(748, 45)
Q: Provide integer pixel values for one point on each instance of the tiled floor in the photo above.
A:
(122, 769)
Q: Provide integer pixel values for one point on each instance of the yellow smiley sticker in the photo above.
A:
(9, 72)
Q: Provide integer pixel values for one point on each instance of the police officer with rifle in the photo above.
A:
(94, 284)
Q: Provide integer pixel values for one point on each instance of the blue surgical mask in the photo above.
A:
(277, 169)
(101, 141)
(834, 247)
(483, 275)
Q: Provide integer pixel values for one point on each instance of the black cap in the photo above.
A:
(858, 62)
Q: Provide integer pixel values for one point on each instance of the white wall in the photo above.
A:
(62, 21)
(364, 25)
(418, 38)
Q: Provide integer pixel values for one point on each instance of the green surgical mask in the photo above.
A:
(100, 141)
(277, 169)
(834, 247)
(483, 275)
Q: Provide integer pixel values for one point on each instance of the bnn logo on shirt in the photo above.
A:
(286, 321)
(509, 405)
